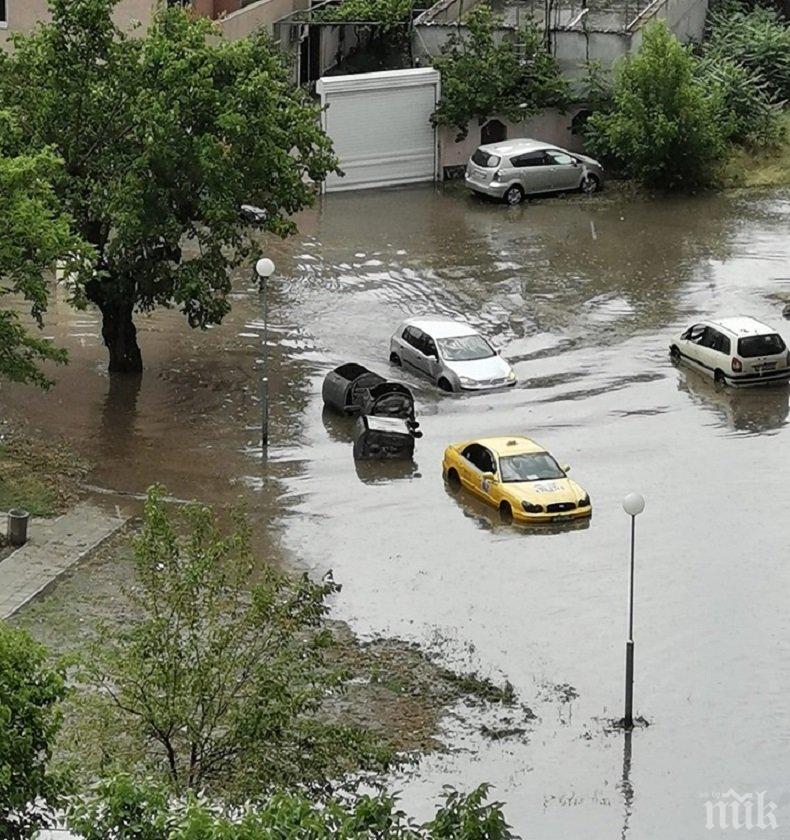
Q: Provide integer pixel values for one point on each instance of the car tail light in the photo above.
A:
(736, 365)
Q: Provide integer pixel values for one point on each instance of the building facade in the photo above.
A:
(237, 18)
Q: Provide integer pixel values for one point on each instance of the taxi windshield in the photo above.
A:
(529, 466)
(465, 348)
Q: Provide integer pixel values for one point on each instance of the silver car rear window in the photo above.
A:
(486, 159)
(760, 345)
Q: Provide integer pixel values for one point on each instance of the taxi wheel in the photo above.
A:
(395, 359)
(718, 378)
(453, 480)
(506, 512)
(445, 385)
(674, 354)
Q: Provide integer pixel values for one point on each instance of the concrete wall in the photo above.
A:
(550, 125)
(23, 15)
(686, 18)
(262, 14)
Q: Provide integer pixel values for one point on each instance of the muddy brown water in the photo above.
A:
(583, 297)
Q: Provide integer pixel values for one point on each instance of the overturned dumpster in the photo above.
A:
(386, 426)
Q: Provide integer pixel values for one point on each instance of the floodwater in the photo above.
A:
(583, 297)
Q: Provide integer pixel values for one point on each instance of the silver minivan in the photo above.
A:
(513, 169)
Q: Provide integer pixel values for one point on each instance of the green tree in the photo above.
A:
(483, 76)
(757, 39)
(164, 138)
(218, 678)
(121, 808)
(30, 696)
(663, 129)
(34, 234)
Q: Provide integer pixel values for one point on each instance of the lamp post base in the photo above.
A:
(628, 718)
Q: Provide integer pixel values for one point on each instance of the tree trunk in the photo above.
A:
(120, 338)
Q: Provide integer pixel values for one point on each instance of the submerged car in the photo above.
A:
(518, 476)
(513, 169)
(734, 351)
(450, 353)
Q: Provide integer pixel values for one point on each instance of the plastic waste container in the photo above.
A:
(382, 437)
(18, 521)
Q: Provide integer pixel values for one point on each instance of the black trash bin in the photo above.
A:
(382, 437)
(343, 387)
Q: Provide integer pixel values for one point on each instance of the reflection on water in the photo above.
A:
(750, 410)
(386, 471)
(625, 783)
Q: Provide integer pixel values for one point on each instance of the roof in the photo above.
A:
(516, 146)
(742, 326)
(438, 327)
(510, 445)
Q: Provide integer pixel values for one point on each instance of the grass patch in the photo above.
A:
(40, 476)
(761, 167)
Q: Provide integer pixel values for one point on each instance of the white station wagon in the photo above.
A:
(735, 351)
(450, 353)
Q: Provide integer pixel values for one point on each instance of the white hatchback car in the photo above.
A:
(735, 351)
(450, 353)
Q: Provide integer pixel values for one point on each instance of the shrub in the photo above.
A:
(30, 695)
(663, 129)
(758, 39)
(482, 78)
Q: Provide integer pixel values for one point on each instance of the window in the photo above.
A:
(530, 466)
(464, 348)
(694, 333)
(3, 14)
(485, 159)
(760, 345)
(428, 346)
(561, 159)
(493, 131)
(530, 159)
(480, 457)
(412, 336)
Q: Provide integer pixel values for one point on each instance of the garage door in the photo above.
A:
(380, 127)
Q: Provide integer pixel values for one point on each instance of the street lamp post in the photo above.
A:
(633, 505)
(264, 268)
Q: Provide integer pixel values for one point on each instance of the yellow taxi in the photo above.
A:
(518, 476)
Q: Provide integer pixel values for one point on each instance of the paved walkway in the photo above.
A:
(55, 545)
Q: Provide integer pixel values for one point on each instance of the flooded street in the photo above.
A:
(583, 297)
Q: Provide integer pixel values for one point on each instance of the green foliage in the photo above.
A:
(122, 809)
(482, 77)
(30, 694)
(746, 113)
(595, 86)
(164, 136)
(759, 40)
(217, 681)
(388, 14)
(34, 234)
(663, 128)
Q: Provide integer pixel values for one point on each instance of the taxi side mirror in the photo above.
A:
(566, 468)
(490, 477)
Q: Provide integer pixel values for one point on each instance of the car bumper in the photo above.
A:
(494, 189)
(508, 383)
(751, 380)
(563, 516)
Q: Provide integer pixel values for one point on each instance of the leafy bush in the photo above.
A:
(217, 680)
(482, 78)
(758, 39)
(663, 129)
(30, 695)
(123, 809)
(387, 13)
(747, 114)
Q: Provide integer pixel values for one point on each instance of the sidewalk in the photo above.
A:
(55, 545)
